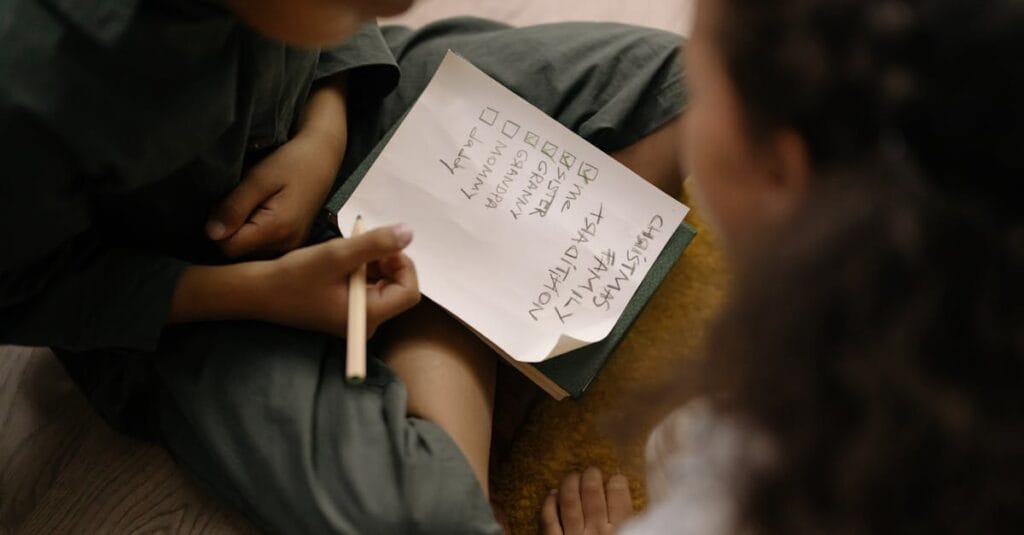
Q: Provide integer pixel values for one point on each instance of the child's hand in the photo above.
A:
(308, 288)
(273, 208)
(587, 505)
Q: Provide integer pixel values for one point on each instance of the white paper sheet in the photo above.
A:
(523, 230)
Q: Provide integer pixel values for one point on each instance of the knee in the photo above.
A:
(657, 157)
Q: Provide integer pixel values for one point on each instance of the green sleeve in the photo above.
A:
(61, 285)
(367, 60)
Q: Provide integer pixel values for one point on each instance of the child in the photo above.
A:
(166, 164)
(860, 160)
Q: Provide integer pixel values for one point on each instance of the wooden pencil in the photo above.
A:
(355, 359)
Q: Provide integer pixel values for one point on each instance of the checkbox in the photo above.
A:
(549, 149)
(531, 139)
(510, 129)
(568, 159)
(588, 172)
(489, 116)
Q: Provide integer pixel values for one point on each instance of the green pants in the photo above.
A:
(261, 414)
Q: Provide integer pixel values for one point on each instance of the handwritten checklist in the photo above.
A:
(524, 231)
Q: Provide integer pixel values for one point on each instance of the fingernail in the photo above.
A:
(618, 481)
(404, 234)
(215, 229)
(553, 492)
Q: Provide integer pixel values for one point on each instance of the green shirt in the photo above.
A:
(122, 124)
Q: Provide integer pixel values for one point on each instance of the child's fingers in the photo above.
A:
(397, 269)
(255, 236)
(620, 502)
(234, 210)
(371, 246)
(385, 267)
(549, 523)
(570, 509)
(595, 509)
(396, 293)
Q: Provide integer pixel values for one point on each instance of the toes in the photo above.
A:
(549, 523)
(620, 502)
(595, 511)
(570, 506)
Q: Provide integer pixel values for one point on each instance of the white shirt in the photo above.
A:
(693, 465)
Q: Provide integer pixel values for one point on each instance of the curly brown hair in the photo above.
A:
(878, 340)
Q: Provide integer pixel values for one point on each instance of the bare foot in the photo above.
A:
(585, 505)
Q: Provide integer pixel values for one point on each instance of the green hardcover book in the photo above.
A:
(570, 373)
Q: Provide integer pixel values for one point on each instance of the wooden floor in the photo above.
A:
(62, 470)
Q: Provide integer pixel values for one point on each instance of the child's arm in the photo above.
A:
(272, 209)
(63, 284)
(307, 288)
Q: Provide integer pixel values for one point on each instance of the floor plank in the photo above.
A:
(63, 470)
(43, 425)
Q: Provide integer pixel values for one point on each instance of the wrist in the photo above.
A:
(251, 289)
(229, 292)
